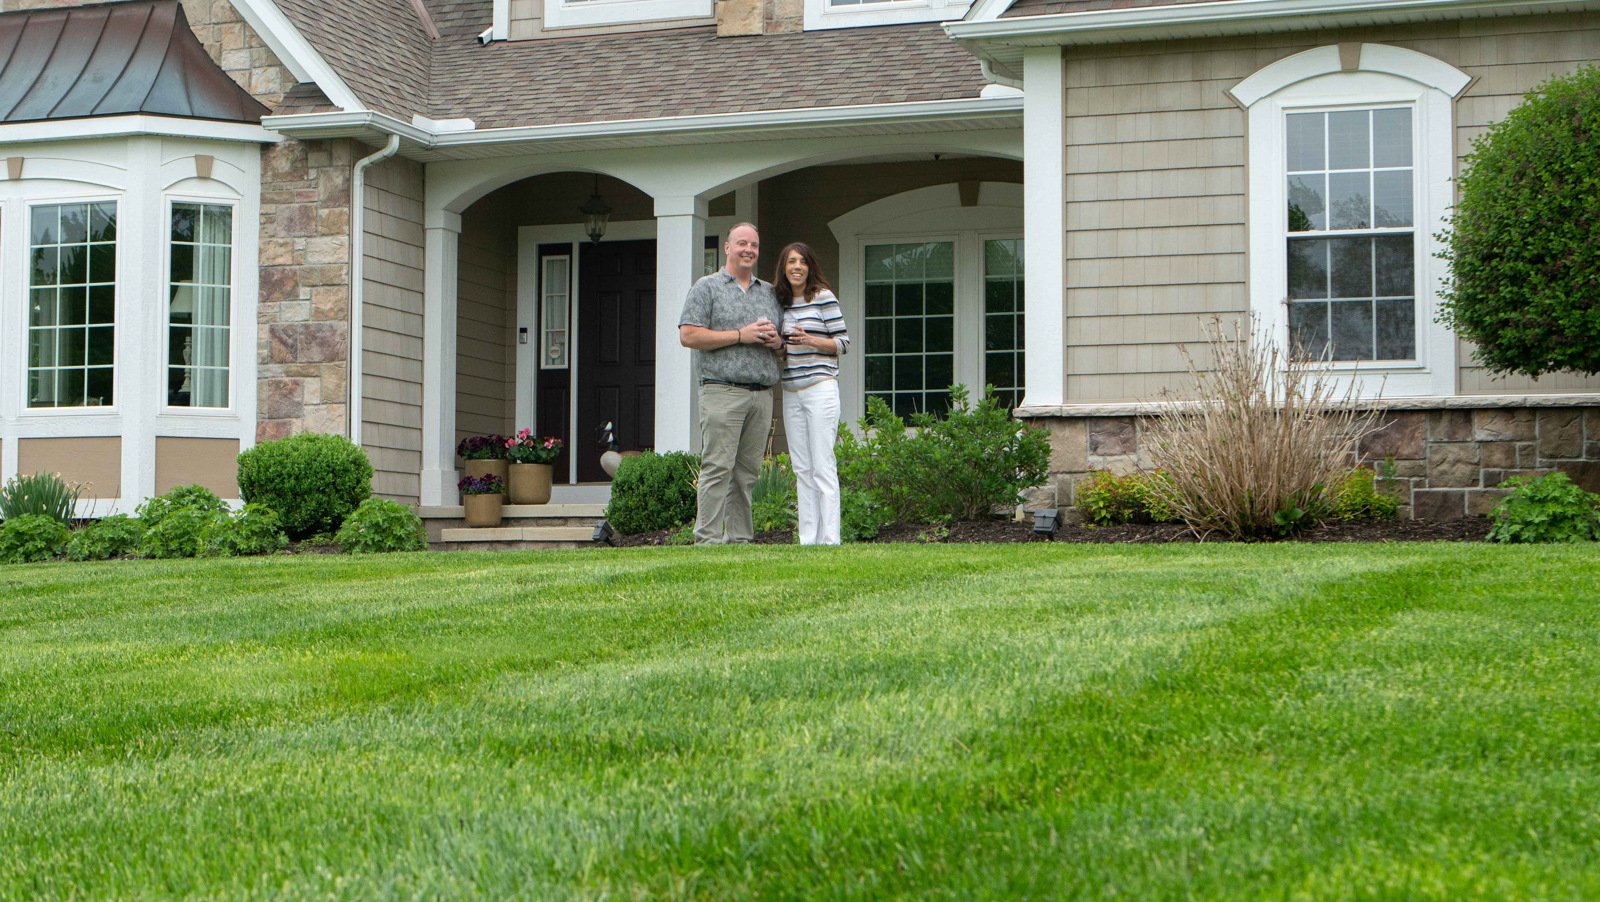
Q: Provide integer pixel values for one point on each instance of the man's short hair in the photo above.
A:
(744, 225)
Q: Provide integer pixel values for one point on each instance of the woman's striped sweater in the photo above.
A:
(804, 366)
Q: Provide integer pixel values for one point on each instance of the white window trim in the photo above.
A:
(822, 14)
(233, 307)
(582, 13)
(923, 214)
(1357, 76)
(25, 411)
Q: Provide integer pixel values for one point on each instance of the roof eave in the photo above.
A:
(1001, 42)
(423, 143)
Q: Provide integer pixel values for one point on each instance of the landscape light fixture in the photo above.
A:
(603, 533)
(596, 214)
(1044, 522)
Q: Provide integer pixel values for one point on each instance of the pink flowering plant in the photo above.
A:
(487, 484)
(527, 448)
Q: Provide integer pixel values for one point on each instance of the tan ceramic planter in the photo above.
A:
(529, 484)
(484, 510)
(485, 467)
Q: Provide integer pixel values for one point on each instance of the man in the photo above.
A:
(730, 317)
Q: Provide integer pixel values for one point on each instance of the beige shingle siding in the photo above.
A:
(485, 326)
(392, 327)
(1156, 234)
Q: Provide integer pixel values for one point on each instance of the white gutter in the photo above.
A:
(366, 122)
(358, 236)
(1099, 26)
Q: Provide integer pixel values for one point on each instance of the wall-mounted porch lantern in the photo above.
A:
(596, 214)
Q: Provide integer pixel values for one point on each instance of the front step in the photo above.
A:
(523, 526)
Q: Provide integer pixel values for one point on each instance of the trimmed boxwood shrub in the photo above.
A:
(30, 538)
(379, 525)
(108, 537)
(312, 481)
(653, 491)
(1525, 265)
(253, 529)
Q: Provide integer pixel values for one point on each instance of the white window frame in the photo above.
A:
(584, 13)
(1357, 77)
(934, 213)
(118, 324)
(233, 306)
(823, 14)
(545, 300)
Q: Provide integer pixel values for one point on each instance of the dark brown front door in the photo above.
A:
(616, 349)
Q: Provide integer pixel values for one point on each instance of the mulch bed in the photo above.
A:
(1472, 529)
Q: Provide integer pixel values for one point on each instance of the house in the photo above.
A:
(227, 221)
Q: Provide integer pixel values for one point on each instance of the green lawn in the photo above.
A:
(1281, 721)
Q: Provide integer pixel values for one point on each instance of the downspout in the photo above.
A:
(358, 242)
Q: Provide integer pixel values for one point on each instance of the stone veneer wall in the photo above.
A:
(1448, 463)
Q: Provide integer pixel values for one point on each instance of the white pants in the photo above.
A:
(811, 419)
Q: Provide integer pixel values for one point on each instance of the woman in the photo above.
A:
(815, 338)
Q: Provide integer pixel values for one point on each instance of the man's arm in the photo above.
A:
(699, 338)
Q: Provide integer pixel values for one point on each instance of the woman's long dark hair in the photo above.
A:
(815, 281)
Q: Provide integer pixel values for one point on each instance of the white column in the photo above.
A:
(443, 234)
(747, 203)
(141, 323)
(680, 252)
(1044, 167)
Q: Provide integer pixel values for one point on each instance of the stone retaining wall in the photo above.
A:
(1447, 463)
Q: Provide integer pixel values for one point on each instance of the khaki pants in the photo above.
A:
(734, 423)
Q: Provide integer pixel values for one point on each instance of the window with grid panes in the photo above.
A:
(1002, 318)
(72, 300)
(199, 305)
(909, 326)
(1351, 233)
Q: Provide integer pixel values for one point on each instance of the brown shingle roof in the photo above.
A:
(692, 71)
(378, 47)
(1050, 7)
(113, 59)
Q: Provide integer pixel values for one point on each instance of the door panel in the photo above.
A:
(616, 349)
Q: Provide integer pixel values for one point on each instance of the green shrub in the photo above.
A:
(1521, 241)
(1106, 499)
(1546, 509)
(1356, 497)
(183, 498)
(178, 533)
(861, 515)
(653, 491)
(253, 529)
(959, 466)
(311, 481)
(45, 494)
(774, 499)
(31, 537)
(108, 537)
(379, 525)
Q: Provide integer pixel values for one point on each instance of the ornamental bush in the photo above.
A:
(31, 537)
(252, 529)
(178, 533)
(379, 525)
(774, 499)
(1357, 497)
(312, 481)
(1106, 499)
(183, 498)
(1525, 264)
(40, 493)
(1547, 508)
(107, 537)
(653, 491)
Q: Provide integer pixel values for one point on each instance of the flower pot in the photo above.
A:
(529, 483)
(484, 510)
(485, 467)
